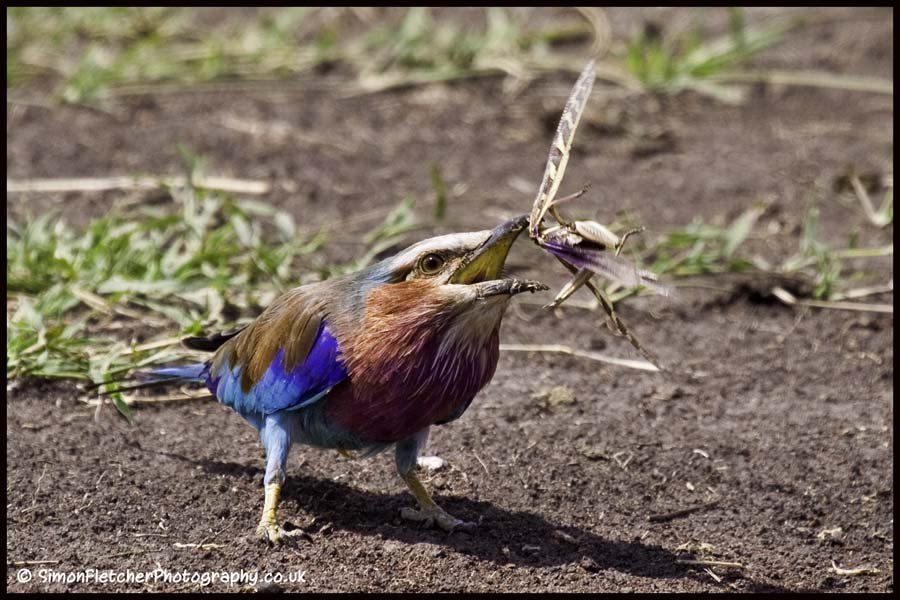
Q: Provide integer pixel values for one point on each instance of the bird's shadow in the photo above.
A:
(504, 537)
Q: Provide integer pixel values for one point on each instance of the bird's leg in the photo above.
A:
(275, 435)
(268, 526)
(429, 512)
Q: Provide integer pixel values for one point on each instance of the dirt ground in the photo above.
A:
(778, 420)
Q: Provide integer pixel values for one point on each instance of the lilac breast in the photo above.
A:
(416, 388)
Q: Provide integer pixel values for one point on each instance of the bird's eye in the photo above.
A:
(431, 264)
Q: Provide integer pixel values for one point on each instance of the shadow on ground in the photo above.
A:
(503, 537)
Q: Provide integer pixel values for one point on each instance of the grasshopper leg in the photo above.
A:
(570, 197)
(613, 316)
(571, 287)
(625, 236)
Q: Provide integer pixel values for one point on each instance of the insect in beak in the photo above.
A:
(585, 248)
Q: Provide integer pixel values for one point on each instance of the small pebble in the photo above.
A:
(431, 463)
(588, 564)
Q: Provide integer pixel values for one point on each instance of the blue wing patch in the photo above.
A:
(278, 389)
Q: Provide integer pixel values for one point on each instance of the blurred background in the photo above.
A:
(222, 155)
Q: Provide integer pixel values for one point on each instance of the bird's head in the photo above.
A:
(451, 280)
(456, 259)
(431, 311)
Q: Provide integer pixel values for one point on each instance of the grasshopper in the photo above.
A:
(583, 246)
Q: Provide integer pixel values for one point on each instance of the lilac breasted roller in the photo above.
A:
(369, 360)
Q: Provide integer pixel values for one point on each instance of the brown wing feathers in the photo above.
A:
(291, 322)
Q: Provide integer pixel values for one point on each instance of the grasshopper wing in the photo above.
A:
(562, 143)
(604, 264)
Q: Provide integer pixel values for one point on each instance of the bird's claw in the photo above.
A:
(432, 517)
(275, 535)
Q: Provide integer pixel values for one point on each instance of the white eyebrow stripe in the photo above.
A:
(453, 243)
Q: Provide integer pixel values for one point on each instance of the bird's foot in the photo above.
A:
(275, 535)
(436, 516)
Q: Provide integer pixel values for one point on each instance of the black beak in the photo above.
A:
(486, 261)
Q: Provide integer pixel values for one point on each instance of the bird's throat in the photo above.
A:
(413, 366)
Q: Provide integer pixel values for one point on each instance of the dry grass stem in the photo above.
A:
(102, 184)
(791, 300)
(622, 362)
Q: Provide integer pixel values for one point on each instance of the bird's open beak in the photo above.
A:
(485, 262)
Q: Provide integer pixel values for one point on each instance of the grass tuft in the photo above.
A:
(206, 258)
(95, 55)
(669, 65)
(702, 249)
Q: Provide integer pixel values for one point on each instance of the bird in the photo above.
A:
(366, 361)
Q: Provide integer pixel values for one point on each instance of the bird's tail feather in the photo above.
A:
(194, 373)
